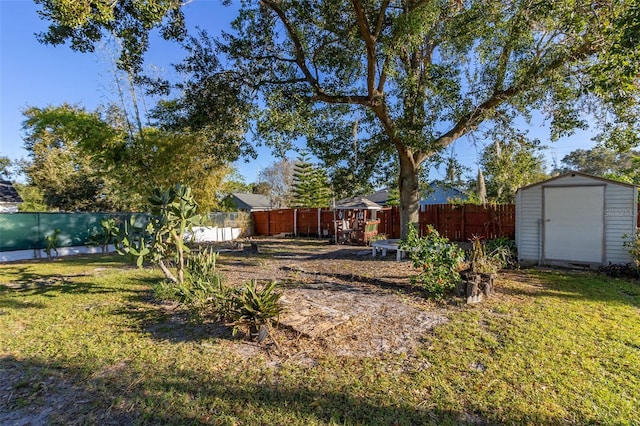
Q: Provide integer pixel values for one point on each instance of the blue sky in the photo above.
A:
(32, 74)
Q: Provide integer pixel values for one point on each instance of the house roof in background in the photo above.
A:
(255, 201)
(380, 196)
(8, 193)
(442, 195)
(439, 195)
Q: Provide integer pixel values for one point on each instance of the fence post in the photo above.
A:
(269, 222)
(463, 224)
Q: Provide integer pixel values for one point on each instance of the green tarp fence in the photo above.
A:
(25, 231)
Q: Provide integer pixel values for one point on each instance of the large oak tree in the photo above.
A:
(416, 75)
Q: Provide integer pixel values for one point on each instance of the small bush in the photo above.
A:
(490, 256)
(634, 246)
(51, 243)
(253, 307)
(203, 292)
(504, 249)
(618, 270)
(202, 289)
(437, 259)
(107, 234)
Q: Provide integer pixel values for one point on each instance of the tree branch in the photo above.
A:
(370, 45)
(533, 76)
(300, 58)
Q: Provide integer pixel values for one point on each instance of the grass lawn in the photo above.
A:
(81, 341)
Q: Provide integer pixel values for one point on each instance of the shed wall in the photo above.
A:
(528, 224)
(621, 216)
(621, 212)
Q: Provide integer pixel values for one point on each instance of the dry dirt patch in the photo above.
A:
(340, 300)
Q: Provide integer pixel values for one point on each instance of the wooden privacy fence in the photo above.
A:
(456, 222)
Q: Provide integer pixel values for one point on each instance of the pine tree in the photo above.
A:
(310, 185)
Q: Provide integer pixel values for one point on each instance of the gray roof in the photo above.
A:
(574, 173)
(357, 203)
(443, 195)
(251, 201)
(8, 193)
(379, 197)
(439, 194)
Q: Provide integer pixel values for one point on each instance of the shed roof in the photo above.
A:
(572, 174)
(357, 203)
(8, 193)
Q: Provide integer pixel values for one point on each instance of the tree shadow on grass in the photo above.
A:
(169, 321)
(55, 285)
(47, 392)
(61, 392)
(568, 285)
(6, 303)
(383, 284)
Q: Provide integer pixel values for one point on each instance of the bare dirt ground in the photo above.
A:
(339, 299)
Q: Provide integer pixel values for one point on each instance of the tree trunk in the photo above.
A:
(167, 272)
(409, 192)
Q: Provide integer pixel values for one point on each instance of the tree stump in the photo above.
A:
(474, 286)
(254, 248)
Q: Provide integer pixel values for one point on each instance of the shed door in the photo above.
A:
(574, 223)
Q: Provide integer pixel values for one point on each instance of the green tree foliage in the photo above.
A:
(310, 185)
(415, 76)
(394, 197)
(158, 158)
(85, 23)
(605, 162)
(5, 167)
(91, 161)
(32, 198)
(60, 166)
(509, 164)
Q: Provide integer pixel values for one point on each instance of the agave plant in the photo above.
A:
(253, 308)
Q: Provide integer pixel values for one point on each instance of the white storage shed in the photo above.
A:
(575, 219)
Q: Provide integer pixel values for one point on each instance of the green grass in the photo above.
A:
(84, 336)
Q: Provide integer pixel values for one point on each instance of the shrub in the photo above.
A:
(504, 251)
(436, 258)
(253, 307)
(202, 289)
(491, 256)
(203, 292)
(619, 270)
(634, 246)
(107, 234)
(51, 243)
